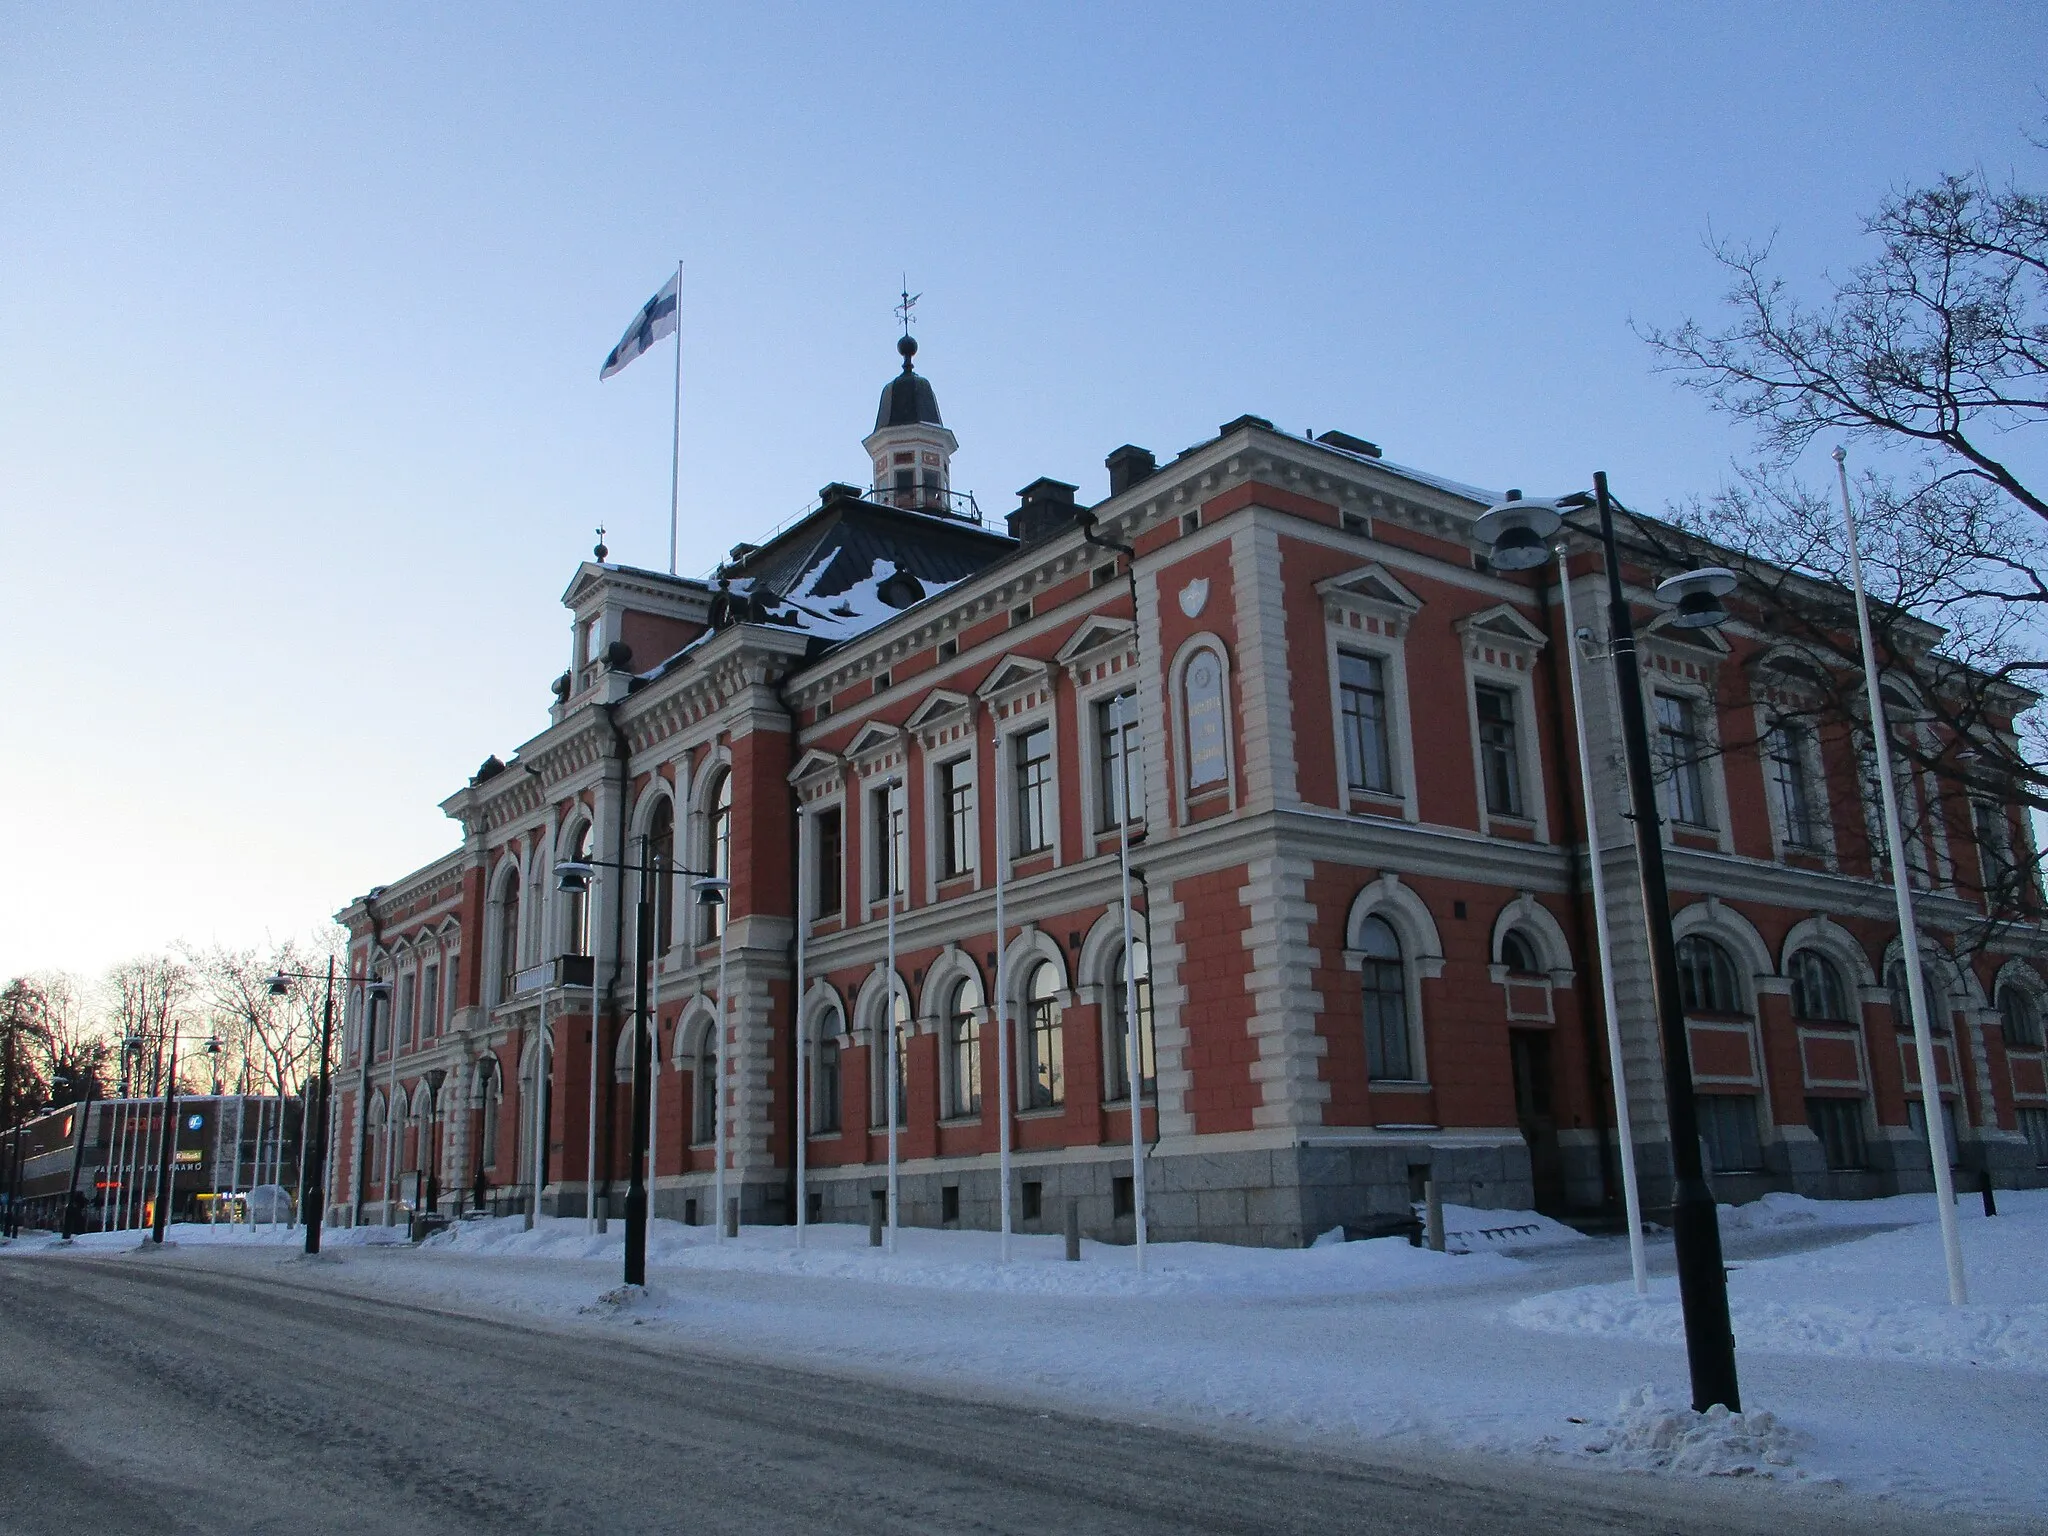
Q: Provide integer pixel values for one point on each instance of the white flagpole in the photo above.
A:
(1909, 928)
(803, 1122)
(896, 873)
(675, 459)
(718, 1177)
(1134, 1072)
(1002, 995)
(540, 1052)
(654, 1054)
(590, 1152)
(1632, 1200)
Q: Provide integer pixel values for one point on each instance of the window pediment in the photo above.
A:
(1014, 681)
(1369, 598)
(815, 764)
(876, 746)
(1501, 636)
(1095, 634)
(937, 708)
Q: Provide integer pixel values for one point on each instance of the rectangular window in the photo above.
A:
(1839, 1125)
(1362, 704)
(1994, 848)
(1678, 752)
(1786, 743)
(956, 806)
(1500, 758)
(405, 1003)
(1120, 761)
(1034, 1199)
(2034, 1126)
(890, 843)
(430, 1001)
(831, 868)
(1728, 1133)
(1034, 790)
(1916, 1118)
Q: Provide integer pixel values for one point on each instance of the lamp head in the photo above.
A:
(1697, 596)
(1518, 531)
(711, 891)
(277, 984)
(378, 988)
(573, 876)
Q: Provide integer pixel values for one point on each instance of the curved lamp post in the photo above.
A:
(1519, 532)
(313, 1180)
(575, 876)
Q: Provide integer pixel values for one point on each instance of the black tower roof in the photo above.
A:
(907, 399)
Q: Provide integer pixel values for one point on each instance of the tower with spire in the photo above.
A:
(910, 448)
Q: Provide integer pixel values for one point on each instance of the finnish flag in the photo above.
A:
(657, 318)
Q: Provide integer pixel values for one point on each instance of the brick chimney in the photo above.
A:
(1127, 466)
(1045, 507)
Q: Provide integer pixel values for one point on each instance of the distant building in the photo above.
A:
(1363, 913)
(226, 1144)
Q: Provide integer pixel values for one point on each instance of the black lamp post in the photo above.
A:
(92, 1092)
(312, 1122)
(575, 877)
(1519, 532)
(167, 1144)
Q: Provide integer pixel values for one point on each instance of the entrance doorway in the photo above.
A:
(1529, 1052)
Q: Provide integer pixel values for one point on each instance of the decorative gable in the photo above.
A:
(1369, 599)
(815, 764)
(1016, 683)
(1096, 633)
(1501, 637)
(936, 706)
(876, 748)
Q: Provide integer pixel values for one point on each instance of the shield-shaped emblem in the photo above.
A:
(1194, 597)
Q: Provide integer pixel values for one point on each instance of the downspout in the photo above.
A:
(1560, 729)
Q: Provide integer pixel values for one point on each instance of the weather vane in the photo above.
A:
(908, 307)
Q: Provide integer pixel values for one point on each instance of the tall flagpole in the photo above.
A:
(1632, 1200)
(675, 456)
(1002, 994)
(1934, 1111)
(803, 1119)
(1134, 1067)
(896, 872)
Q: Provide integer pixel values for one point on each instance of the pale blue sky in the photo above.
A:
(301, 311)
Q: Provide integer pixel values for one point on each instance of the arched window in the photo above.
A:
(704, 1122)
(963, 1048)
(1817, 990)
(1202, 708)
(1707, 980)
(718, 853)
(878, 1068)
(1518, 954)
(508, 935)
(825, 1086)
(1045, 1078)
(1902, 1001)
(490, 1096)
(1389, 1056)
(661, 850)
(2020, 1014)
(578, 907)
(1119, 1075)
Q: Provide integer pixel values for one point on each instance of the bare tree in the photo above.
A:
(1934, 354)
(149, 1000)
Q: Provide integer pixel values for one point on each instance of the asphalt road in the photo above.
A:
(165, 1394)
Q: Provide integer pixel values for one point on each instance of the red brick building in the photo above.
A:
(1363, 903)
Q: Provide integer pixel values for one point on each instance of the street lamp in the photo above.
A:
(573, 877)
(313, 1184)
(1518, 532)
(168, 1141)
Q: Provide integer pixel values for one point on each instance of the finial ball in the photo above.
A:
(908, 347)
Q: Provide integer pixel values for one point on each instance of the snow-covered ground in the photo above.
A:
(1856, 1371)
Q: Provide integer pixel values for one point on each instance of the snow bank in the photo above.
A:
(1651, 1433)
(1884, 1297)
(972, 1261)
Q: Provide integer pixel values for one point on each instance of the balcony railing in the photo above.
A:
(562, 971)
